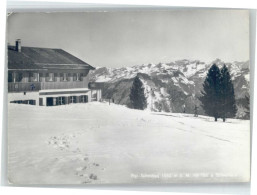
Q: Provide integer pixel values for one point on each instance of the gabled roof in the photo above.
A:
(43, 58)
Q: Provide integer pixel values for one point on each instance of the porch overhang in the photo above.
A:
(63, 91)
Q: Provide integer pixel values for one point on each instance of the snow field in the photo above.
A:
(97, 143)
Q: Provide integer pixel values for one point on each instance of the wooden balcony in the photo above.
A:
(19, 87)
(36, 86)
(64, 85)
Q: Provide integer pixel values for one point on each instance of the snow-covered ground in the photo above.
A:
(102, 143)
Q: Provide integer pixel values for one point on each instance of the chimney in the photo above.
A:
(18, 45)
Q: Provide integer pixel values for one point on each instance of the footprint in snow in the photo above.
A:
(87, 181)
(96, 164)
(84, 173)
(89, 178)
(93, 176)
(76, 151)
(81, 168)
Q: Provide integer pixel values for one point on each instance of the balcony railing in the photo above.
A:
(36, 86)
(17, 87)
(63, 85)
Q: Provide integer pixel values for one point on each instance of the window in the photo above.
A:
(61, 100)
(18, 77)
(33, 77)
(31, 102)
(16, 101)
(77, 77)
(55, 76)
(72, 99)
(83, 98)
(41, 75)
(14, 77)
(81, 76)
(10, 77)
(50, 77)
(64, 77)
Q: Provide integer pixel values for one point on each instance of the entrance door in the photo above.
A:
(49, 101)
(94, 95)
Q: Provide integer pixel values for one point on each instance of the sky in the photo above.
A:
(128, 38)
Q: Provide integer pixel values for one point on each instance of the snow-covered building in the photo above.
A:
(48, 77)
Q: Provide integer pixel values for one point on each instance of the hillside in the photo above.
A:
(170, 86)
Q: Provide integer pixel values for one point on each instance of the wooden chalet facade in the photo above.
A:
(47, 77)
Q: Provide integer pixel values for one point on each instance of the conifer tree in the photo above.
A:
(228, 102)
(137, 96)
(211, 92)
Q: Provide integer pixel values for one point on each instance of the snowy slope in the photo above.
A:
(97, 143)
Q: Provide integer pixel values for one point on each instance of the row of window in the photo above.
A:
(54, 101)
(31, 102)
(49, 77)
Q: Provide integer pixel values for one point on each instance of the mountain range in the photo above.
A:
(171, 87)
